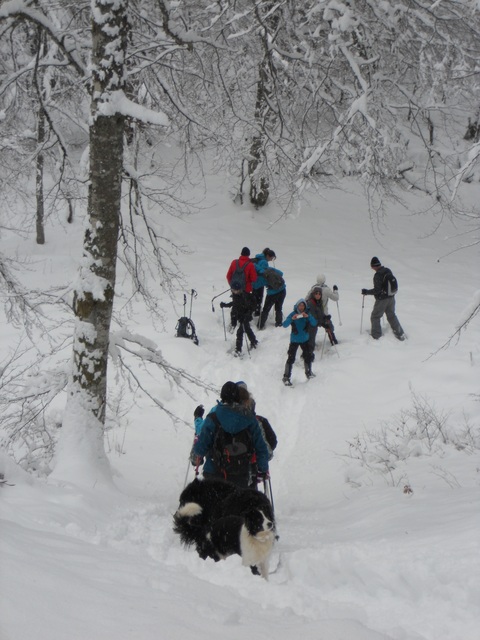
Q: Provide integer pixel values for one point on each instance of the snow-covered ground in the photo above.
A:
(362, 554)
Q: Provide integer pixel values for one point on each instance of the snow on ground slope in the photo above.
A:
(358, 558)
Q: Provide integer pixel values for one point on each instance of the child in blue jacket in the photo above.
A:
(300, 319)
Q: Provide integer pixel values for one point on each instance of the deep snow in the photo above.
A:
(358, 558)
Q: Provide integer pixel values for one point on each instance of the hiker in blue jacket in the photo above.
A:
(299, 320)
(234, 418)
(275, 298)
(258, 287)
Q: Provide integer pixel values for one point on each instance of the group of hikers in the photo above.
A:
(253, 281)
(232, 441)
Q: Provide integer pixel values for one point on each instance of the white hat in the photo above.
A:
(321, 279)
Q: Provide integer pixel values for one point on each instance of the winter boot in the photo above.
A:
(308, 371)
(287, 374)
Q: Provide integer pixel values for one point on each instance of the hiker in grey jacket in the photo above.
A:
(327, 293)
(384, 304)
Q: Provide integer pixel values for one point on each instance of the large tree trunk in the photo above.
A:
(40, 216)
(81, 449)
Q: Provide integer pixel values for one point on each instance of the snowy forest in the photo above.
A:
(143, 144)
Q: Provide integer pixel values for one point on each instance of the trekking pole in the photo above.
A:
(339, 318)
(186, 475)
(361, 319)
(323, 345)
(224, 328)
(246, 340)
(193, 294)
(267, 490)
(217, 296)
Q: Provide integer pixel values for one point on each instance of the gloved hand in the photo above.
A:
(222, 305)
(364, 292)
(335, 288)
(196, 461)
(199, 411)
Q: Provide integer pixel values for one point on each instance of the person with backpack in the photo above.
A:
(261, 261)
(276, 294)
(247, 400)
(230, 443)
(241, 274)
(327, 293)
(242, 305)
(385, 286)
(315, 307)
(299, 320)
(316, 294)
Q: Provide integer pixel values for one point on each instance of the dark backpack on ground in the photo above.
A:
(390, 284)
(273, 279)
(239, 280)
(186, 329)
(231, 452)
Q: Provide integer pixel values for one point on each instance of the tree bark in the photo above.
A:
(40, 215)
(82, 440)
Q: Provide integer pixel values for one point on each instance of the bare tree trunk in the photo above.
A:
(259, 185)
(84, 420)
(39, 177)
(264, 115)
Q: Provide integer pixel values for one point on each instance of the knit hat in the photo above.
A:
(375, 262)
(229, 393)
(241, 383)
(321, 279)
(245, 251)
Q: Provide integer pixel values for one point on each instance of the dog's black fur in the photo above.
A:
(222, 519)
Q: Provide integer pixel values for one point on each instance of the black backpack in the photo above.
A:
(186, 329)
(390, 284)
(239, 280)
(231, 452)
(273, 279)
(268, 433)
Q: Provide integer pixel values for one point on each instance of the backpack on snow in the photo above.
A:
(231, 452)
(186, 329)
(390, 284)
(273, 279)
(239, 280)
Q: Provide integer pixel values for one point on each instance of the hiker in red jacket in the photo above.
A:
(250, 273)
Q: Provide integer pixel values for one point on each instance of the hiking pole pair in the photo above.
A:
(193, 294)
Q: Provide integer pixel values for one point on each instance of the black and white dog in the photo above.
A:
(222, 519)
